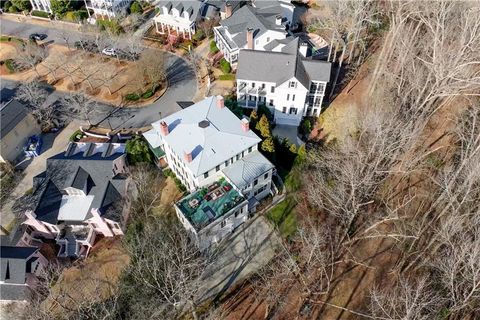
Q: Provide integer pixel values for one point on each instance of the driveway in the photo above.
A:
(239, 256)
(180, 75)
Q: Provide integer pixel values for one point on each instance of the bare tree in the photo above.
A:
(80, 105)
(207, 26)
(35, 96)
(147, 182)
(30, 55)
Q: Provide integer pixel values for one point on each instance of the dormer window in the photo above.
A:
(292, 84)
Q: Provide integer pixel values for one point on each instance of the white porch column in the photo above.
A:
(163, 27)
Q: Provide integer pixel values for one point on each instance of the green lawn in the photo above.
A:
(283, 216)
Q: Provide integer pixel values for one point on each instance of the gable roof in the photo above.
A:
(242, 172)
(260, 20)
(279, 67)
(86, 167)
(15, 263)
(12, 113)
(190, 6)
(218, 139)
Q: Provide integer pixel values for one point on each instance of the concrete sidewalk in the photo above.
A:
(52, 145)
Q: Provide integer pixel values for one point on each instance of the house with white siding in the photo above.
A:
(253, 27)
(215, 155)
(106, 9)
(289, 84)
(41, 5)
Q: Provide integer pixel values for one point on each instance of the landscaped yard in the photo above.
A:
(283, 216)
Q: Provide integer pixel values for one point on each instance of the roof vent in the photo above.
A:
(203, 124)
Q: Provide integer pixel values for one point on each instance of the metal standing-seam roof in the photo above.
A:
(210, 145)
(245, 170)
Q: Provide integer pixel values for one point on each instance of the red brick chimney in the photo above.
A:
(187, 156)
(228, 10)
(245, 124)
(163, 128)
(220, 102)
(250, 38)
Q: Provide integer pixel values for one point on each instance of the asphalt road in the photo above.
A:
(180, 75)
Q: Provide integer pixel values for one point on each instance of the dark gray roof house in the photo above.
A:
(16, 263)
(278, 67)
(11, 114)
(90, 169)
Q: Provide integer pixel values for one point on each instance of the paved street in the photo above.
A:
(180, 75)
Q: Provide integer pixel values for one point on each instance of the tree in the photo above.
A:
(30, 55)
(136, 7)
(207, 26)
(268, 145)
(21, 5)
(263, 126)
(147, 181)
(60, 7)
(151, 70)
(225, 66)
(35, 97)
(79, 105)
(138, 151)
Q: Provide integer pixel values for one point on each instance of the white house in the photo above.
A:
(253, 27)
(216, 157)
(41, 5)
(291, 85)
(106, 9)
(178, 17)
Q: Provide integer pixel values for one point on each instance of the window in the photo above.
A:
(226, 163)
(272, 89)
(236, 214)
(271, 102)
(205, 175)
(243, 154)
(231, 160)
(217, 168)
(263, 85)
(255, 182)
(284, 110)
(292, 84)
(253, 84)
(293, 111)
(293, 97)
(238, 156)
(265, 176)
(268, 39)
(288, 96)
(249, 149)
(223, 223)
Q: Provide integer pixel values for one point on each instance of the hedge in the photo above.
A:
(132, 97)
(75, 16)
(213, 47)
(229, 76)
(225, 66)
(74, 135)
(147, 94)
(41, 14)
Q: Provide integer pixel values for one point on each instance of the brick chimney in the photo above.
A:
(163, 128)
(187, 156)
(220, 102)
(228, 10)
(245, 124)
(250, 38)
(278, 20)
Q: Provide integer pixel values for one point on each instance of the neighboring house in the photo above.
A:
(19, 267)
(291, 85)
(106, 9)
(178, 17)
(216, 157)
(41, 5)
(253, 27)
(79, 198)
(16, 125)
(221, 9)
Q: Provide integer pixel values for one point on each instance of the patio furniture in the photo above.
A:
(193, 203)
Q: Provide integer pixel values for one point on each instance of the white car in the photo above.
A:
(109, 52)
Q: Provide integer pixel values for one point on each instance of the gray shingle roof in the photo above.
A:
(279, 67)
(11, 114)
(15, 263)
(92, 173)
(190, 6)
(245, 170)
(250, 17)
(222, 139)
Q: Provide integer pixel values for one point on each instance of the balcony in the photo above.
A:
(258, 92)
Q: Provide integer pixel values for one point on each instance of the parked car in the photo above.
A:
(38, 36)
(111, 52)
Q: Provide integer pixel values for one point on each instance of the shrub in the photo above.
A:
(40, 14)
(60, 7)
(147, 94)
(132, 97)
(21, 5)
(10, 64)
(5, 38)
(229, 76)
(225, 66)
(179, 185)
(198, 36)
(76, 135)
(213, 47)
(81, 15)
(13, 9)
(110, 25)
(136, 8)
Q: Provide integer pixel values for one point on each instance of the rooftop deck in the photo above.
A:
(209, 203)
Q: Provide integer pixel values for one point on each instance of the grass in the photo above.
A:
(74, 135)
(283, 217)
(229, 76)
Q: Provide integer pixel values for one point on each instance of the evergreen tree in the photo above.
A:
(268, 145)
(263, 126)
(60, 7)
